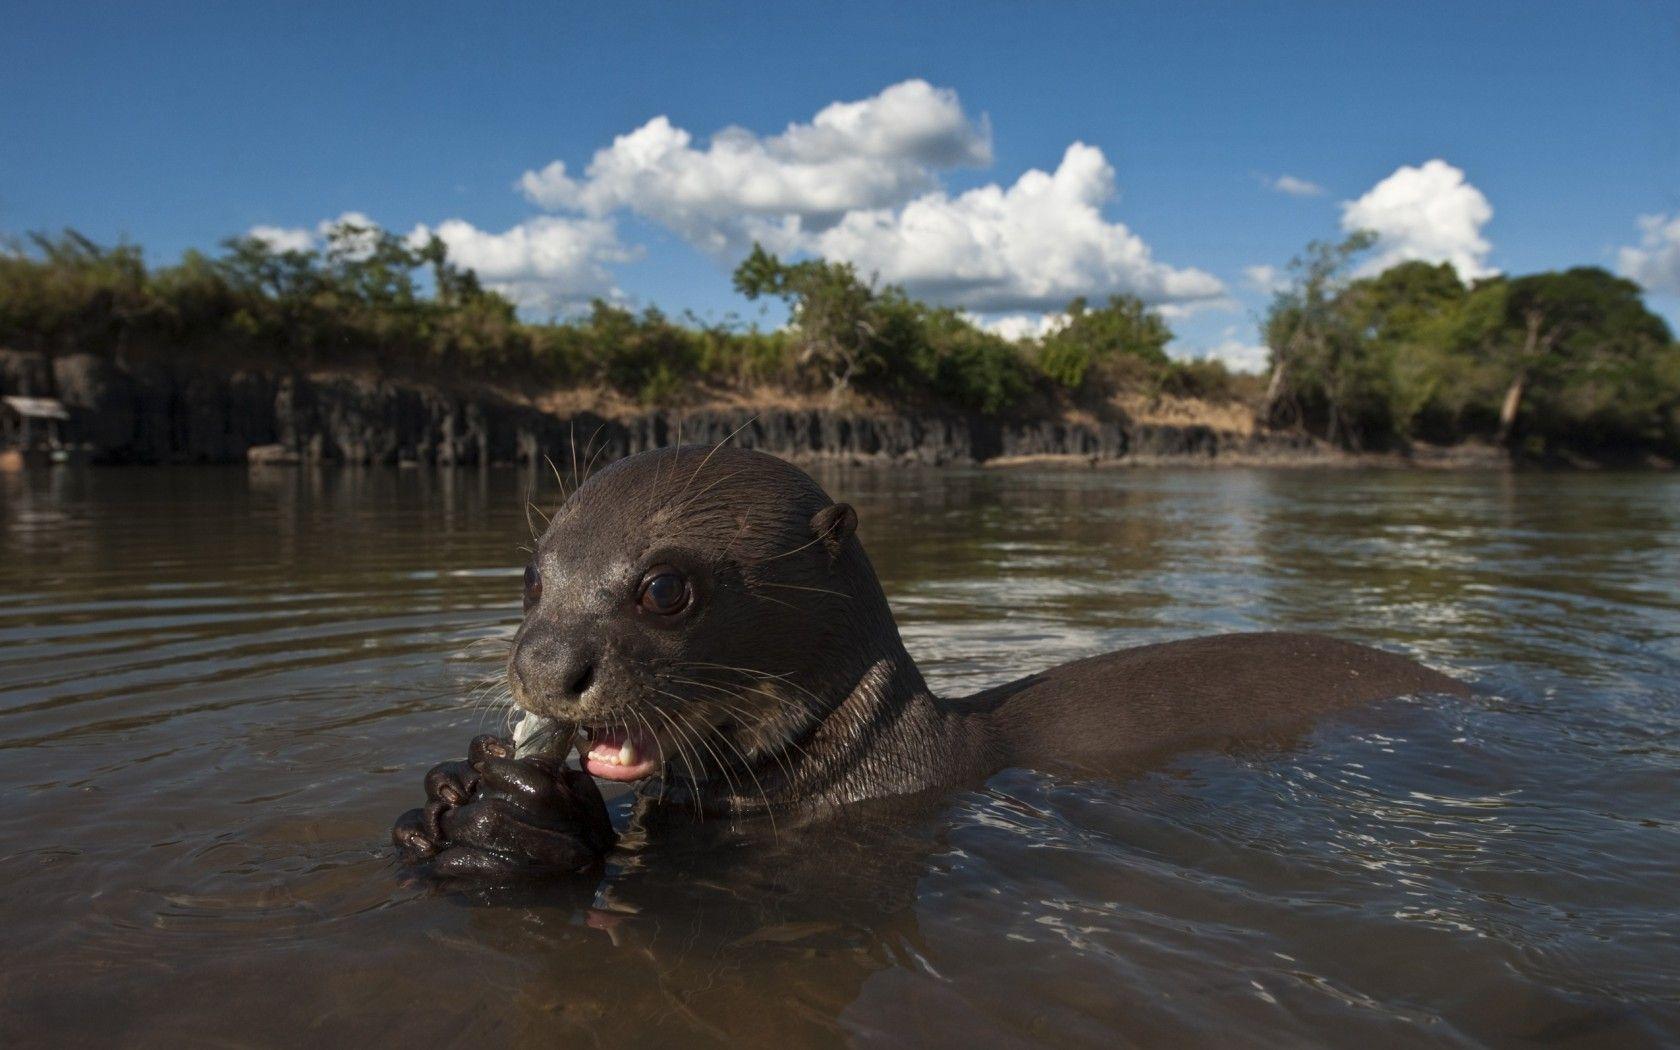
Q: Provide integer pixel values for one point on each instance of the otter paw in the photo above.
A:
(419, 832)
(494, 816)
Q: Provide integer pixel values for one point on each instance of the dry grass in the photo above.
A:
(1164, 410)
(612, 404)
(1234, 417)
(1230, 417)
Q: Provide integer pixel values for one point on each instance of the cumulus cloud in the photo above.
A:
(545, 263)
(1030, 247)
(860, 183)
(1655, 263)
(1429, 213)
(1294, 187)
(872, 153)
(548, 263)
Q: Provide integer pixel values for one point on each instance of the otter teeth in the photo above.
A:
(629, 751)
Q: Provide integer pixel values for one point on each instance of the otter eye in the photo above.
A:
(533, 587)
(664, 591)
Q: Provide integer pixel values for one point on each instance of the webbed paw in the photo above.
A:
(494, 816)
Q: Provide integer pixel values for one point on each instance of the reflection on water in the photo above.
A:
(217, 689)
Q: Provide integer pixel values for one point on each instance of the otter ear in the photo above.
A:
(834, 525)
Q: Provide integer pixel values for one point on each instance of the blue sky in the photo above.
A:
(1557, 127)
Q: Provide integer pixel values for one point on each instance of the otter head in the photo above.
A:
(697, 610)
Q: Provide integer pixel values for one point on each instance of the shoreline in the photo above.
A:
(146, 413)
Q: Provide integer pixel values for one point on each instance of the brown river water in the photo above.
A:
(218, 688)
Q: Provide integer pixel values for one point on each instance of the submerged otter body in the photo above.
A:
(711, 621)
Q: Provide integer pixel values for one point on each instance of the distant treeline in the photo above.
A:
(371, 300)
(1569, 361)
(1551, 362)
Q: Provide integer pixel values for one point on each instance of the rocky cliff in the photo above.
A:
(146, 413)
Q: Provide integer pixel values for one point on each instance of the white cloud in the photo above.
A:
(1239, 356)
(548, 262)
(1235, 353)
(872, 153)
(1184, 310)
(1030, 247)
(357, 245)
(1016, 327)
(283, 239)
(1264, 278)
(1429, 213)
(1655, 264)
(297, 238)
(349, 218)
(859, 183)
(544, 263)
(1293, 186)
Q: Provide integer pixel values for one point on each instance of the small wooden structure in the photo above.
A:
(31, 431)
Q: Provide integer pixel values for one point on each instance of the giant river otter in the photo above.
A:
(709, 619)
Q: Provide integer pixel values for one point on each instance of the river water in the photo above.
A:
(217, 688)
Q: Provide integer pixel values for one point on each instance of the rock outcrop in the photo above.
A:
(147, 413)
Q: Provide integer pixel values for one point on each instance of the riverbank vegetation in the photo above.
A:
(1545, 363)
(373, 301)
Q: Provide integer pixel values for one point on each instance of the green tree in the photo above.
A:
(372, 266)
(1085, 353)
(965, 365)
(1315, 342)
(1561, 328)
(878, 338)
(1548, 363)
(71, 293)
(451, 284)
(829, 307)
(194, 304)
(1404, 319)
(1570, 360)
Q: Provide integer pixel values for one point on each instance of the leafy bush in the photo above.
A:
(1089, 352)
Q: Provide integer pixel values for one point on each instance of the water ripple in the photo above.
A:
(217, 688)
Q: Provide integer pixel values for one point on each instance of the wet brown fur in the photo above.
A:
(787, 685)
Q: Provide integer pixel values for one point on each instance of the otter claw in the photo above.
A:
(409, 835)
(451, 782)
(486, 746)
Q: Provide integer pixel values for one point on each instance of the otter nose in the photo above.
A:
(577, 679)
(551, 671)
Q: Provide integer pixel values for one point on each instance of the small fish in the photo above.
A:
(539, 736)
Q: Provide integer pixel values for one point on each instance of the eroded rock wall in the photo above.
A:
(148, 413)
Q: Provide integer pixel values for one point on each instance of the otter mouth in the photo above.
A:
(616, 754)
